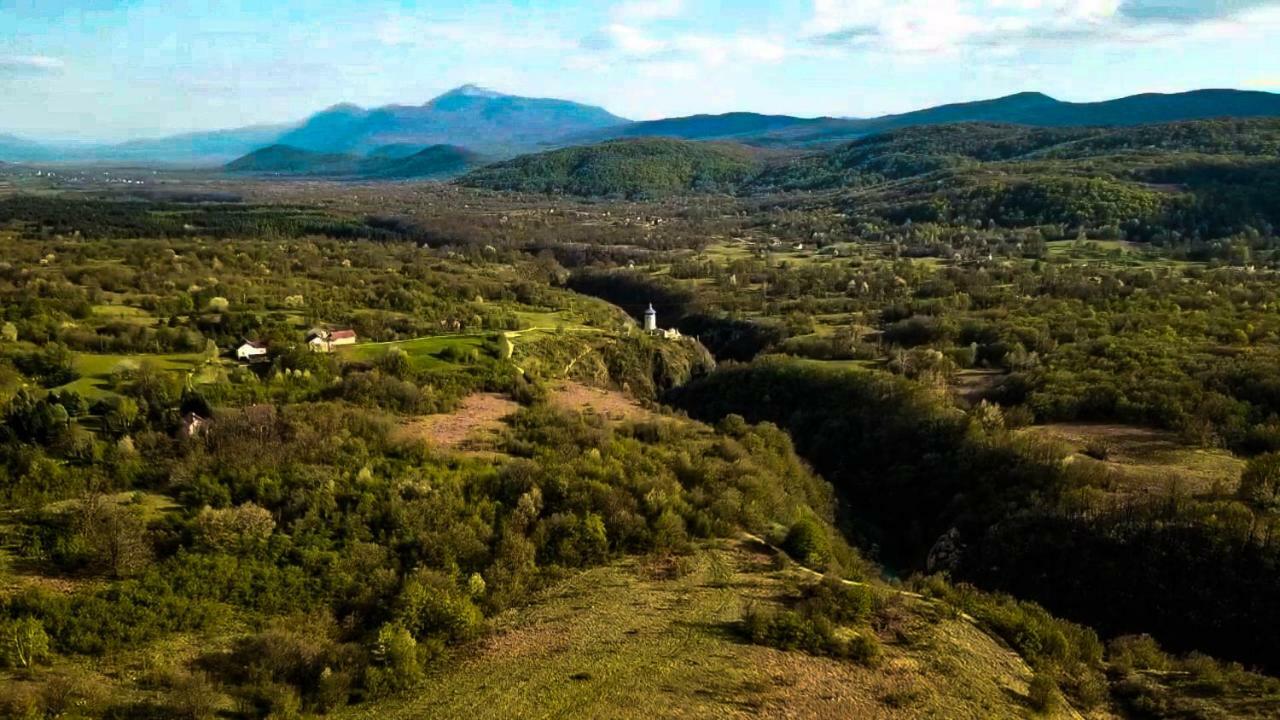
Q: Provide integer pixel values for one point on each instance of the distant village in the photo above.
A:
(318, 340)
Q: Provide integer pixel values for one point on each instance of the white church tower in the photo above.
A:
(650, 319)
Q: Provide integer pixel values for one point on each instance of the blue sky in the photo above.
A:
(115, 69)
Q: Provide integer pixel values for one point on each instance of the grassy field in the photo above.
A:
(95, 370)
(424, 352)
(641, 639)
(123, 313)
(1135, 460)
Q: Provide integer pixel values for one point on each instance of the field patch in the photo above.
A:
(1146, 461)
(428, 352)
(610, 404)
(123, 313)
(96, 370)
(472, 426)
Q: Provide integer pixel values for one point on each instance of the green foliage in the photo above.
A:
(808, 543)
(1260, 482)
(813, 626)
(397, 666)
(23, 643)
(623, 168)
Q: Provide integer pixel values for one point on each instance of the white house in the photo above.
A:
(251, 351)
(326, 341)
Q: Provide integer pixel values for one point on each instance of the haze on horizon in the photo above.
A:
(110, 70)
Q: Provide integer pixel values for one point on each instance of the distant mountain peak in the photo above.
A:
(345, 108)
(472, 90)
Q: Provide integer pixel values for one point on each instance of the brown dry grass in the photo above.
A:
(470, 427)
(609, 404)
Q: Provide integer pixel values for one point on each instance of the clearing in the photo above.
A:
(427, 352)
(471, 427)
(95, 369)
(611, 405)
(647, 638)
(1146, 461)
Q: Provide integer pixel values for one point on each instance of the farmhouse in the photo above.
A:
(251, 351)
(320, 340)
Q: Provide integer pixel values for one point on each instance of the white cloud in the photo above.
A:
(945, 26)
(648, 10)
(679, 56)
(31, 64)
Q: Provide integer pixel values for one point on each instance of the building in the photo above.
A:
(325, 341)
(651, 326)
(251, 351)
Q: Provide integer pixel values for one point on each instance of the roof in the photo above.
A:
(254, 345)
(343, 334)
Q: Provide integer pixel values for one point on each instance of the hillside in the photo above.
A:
(435, 162)
(1204, 177)
(623, 168)
(641, 639)
(16, 149)
(201, 148)
(1032, 109)
(469, 116)
(287, 160)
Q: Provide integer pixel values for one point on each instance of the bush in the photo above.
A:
(432, 604)
(396, 663)
(23, 643)
(1044, 694)
(807, 543)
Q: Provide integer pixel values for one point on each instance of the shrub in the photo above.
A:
(807, 543)
(24, 643)
(1044, 694)
(432, 604)
(396, 665)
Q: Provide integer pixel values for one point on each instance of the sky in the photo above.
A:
(121, 69)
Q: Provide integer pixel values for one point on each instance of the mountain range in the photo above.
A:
(502, 126)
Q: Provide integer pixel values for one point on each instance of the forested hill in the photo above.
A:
(624, 168)
(434, 162)
(916, 151)
(1033, 109)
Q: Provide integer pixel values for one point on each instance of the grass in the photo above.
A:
(424, 352)
(123, 313)
(1146, 461)
(641, 639)
(95, 370)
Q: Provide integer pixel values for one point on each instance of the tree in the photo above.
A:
(397, 668)
(9, 332)
(24, 643)
(115, 535)
(1260, 482)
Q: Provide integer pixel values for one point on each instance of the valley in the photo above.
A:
(960, 420)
